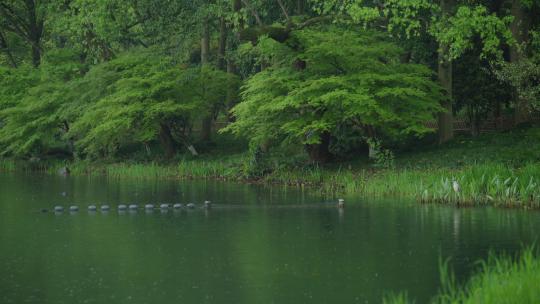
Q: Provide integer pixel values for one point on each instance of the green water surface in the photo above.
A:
(257, 245)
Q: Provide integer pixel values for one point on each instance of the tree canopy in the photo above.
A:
(93, 79)
(313, 89)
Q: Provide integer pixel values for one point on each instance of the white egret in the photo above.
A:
(456, 186)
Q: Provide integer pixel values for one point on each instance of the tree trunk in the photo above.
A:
(253, 11)
(300, 7)
(70, 141)
(36, 56)
(205, 41)
(231, 67)
(206, 128)
(221, 63)
(237, 7)
(231, 92)
(35, 32)
(446, 119)
(5, 47)
(519, 30)
(320, 153)
(497, 115)
(167, 141)
(475, 127)
(206, 124)
(23, 18)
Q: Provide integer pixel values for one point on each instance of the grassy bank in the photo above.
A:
(494, 169)
(482, 184)
(500, 279)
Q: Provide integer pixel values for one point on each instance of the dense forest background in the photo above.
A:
(151, 80)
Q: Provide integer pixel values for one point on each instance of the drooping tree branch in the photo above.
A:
(284, 11)
(253, 12)
(279, 33)
(28, 25)
(313, 21)
(5, 47)
(14, 22)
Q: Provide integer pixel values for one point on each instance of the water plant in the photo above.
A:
(7, 165)
(500, 279)
(486, 184)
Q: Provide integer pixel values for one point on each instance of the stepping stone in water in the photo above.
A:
(133, 207)
(149, 206)
(190, 205)
(105, 208)
(178, 206)
(74, 208)
(164, 206)
(58, 208)
(92, 208)
(122, 207)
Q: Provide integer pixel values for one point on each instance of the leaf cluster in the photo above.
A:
(319, 87)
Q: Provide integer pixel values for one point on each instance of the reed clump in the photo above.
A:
(485, 184)
(150, 170)
(500, 279)
(497, 184)
(7, 165)
(489, 184)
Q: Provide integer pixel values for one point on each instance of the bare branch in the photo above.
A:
(18, 24)
(284, 11)
(253, 12)
(4, 46)
(314, 20)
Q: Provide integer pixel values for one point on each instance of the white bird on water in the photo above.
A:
(456, 186)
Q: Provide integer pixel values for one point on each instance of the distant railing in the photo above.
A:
(502, 123)
(461, 125)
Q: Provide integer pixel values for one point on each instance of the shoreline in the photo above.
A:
(488, 184)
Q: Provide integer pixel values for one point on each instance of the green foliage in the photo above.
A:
(500, 279)
(22, 30)
(123, 102)
(485, 185)
(478, 92)
(458, 28)
(515, 149)
(524, 77)
(32, 122)
(145, 94)
(97, 29)
(461, 30)
(383, 157)
(123, 77)
(14, 83)
(504, 280)
(400, 298)
(361, 83)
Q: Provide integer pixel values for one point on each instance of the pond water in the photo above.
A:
(256, 245)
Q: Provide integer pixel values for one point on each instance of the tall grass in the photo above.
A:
(150, 170)
(7, 165)
(215, 169)
(16, 165)
(501, 279)
(486, 184)
(480, 184)
(185, 169)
